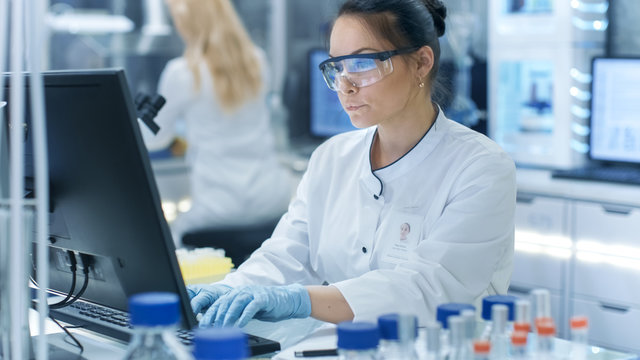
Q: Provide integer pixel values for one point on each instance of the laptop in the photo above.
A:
(614, 138)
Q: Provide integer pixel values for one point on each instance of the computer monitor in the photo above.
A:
(615, 128)
(104, 200)
(326, 116)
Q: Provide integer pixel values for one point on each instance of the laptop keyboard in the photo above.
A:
(115, 324)
(623, 175)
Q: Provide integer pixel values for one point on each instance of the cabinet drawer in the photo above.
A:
(607, 278)
(536, 270)
(607, 224)
(611, 326)
(540, 215)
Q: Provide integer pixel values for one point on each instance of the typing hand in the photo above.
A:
(202, 296)
(269, 303)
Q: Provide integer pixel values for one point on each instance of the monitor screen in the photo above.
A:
(615, 125)
(327, 118)
(104, 199)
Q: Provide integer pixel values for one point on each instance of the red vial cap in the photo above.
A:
(519, 338)
(579, 322)
(546, 328)
(481, 346)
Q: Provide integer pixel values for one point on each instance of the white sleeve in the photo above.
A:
(176, 86)
(284, 258)
(465, 255)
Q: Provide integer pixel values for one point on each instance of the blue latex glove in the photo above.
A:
(202, 296)
(269, 303)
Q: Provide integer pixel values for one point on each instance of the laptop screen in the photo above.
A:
(615, 109)
(327, 118)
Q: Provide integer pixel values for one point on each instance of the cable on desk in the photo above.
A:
(73, 268)
(69, 334)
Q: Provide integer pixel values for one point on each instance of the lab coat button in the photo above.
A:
(364, 250)
(375, 197)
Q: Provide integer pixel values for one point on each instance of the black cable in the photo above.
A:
(86, 263)
(69, 334)
(73, 268)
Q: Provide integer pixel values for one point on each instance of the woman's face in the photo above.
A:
(379, 102)
(404, 231)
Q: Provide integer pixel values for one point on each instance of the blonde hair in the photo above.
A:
(213, 33)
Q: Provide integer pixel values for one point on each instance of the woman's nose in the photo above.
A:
(346, 86)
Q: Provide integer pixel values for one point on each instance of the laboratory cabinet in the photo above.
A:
(581, 240)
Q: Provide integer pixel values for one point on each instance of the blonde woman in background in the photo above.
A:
(218, 88)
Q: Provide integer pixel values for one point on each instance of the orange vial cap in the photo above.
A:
(546, 328)
(481, 346)
(579, 322)
(522, 326)
(519, 338)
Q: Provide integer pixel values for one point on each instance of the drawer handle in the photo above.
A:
(616, 209)
(525, 199)
(519, 290)
(616, 308)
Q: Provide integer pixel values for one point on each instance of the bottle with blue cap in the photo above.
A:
(487, 306)
(398, 333)
(220, 344)
(358, 341)
(154, 317)
(443, 312)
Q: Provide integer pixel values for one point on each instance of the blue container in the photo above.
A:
(450, 309)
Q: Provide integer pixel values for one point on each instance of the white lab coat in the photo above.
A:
(455, 187)
(236, 177)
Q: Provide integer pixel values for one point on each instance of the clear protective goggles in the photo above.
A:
(359, 70)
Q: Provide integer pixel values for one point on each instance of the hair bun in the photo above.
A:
(439, 13)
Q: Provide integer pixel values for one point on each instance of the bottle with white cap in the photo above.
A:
(499, 332)
(433, 341)
(357, 341)
(398, 334)
(154, 317)
(220, 344)
(443, 312)
(522, 320)
(457, 337)
(487, 305)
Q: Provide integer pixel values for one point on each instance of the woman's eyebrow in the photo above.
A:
(358, 51)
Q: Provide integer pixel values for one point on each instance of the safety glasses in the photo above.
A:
(359, 70)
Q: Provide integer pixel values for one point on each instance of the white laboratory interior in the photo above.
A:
(118, 178)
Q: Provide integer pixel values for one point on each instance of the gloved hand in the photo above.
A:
(269, 303)
(202, 296)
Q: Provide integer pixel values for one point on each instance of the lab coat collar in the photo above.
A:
(374, 180)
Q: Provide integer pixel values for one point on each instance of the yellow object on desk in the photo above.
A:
(203, 265)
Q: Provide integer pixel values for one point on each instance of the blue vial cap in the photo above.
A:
(220, 344)
(154, 309)
(491, 300)
(450, 309)
(357, 335)
(388, 326)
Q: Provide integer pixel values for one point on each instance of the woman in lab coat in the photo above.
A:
(218, 89)
(409, 164)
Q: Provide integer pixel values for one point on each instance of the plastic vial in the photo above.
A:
(546, 331)
(522, 320)
(469, 318)
(579, 333)
(443, 312)
(519, 345)
(154, 317)
(481, 349)
(487, 305)
(433, 341)
(458, 334)
(357, 341)
(499, 332)
(541, 305)
(397, 336)
(220, 344)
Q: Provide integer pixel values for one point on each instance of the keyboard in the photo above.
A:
(623, 175)
(115, 324)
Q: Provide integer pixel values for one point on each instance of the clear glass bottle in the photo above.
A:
(579, 337)
(357, 341)
(457, 337)
(220, 344)
(522, 320)
(487, 305)
(443, 312)
(433, 331)
(499, 332)
(541, 306)
(519, 345)
(154, 317)
(397, 337)
(481, 349)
